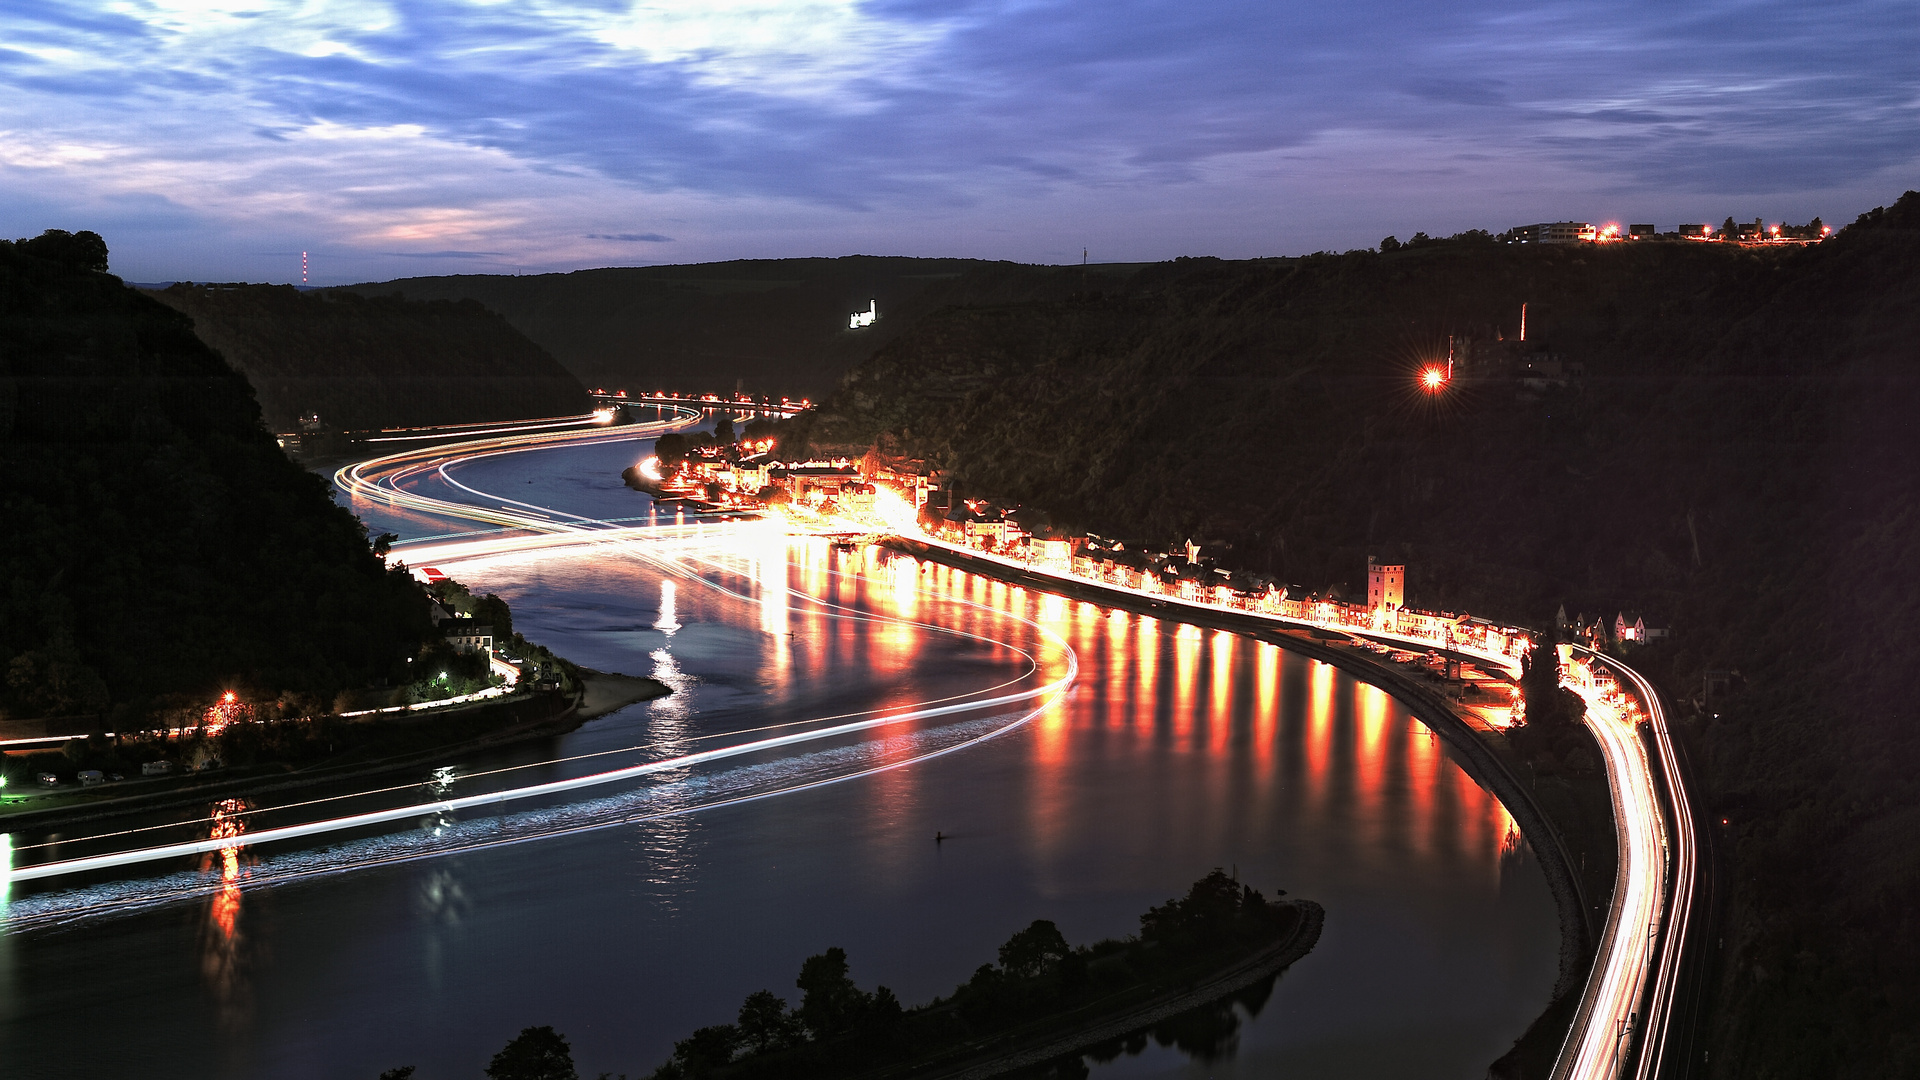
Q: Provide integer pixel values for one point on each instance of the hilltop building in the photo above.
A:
(1554, 232)
(864, 318)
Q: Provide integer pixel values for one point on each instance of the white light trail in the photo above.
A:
(532, 791)
(1628, 1001)
(559, 535)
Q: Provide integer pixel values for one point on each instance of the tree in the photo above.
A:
(723, 430)
(537, 1053)
(1034, 951)
(383, 543)
(52, 681)
(707, 1049)
(670, 447)
(404, 1072)
(1728, 230)
(82, 250)
(1389, 244)
(493, 611)
(832, 1004)
(1211, 907)
(765, 1025)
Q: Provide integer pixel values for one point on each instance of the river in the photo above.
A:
(626, 923)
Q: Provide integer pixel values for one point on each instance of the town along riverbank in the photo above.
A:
(1042, 1005)
(1566, 817)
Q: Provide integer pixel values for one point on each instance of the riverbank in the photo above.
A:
(1045, 1002)
(1106, 1021)
(1580, 892)
(509, 722)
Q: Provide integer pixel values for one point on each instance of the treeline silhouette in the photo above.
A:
(1721, 437)
(382, 361)
(764, 325)
(159, 547)
(1040, 989)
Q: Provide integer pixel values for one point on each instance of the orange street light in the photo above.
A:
(1432, 378)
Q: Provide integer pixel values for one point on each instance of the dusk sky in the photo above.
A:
(217, 139)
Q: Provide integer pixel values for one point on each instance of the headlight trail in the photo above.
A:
(554, 534)
(1629, 997)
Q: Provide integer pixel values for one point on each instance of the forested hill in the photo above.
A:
(766, 325)
(159, 546)
(1723, 438)
(367, 362)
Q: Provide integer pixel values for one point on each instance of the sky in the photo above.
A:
(220, 139)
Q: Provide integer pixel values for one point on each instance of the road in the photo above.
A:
(1625, 1018)
(1626, 1012)
(1625, 1015)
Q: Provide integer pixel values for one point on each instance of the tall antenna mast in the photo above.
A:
(1523, 321)
(303, 268)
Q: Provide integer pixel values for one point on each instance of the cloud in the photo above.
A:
(1003, 128)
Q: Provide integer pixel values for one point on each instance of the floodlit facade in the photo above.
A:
(1555, 232)
(1386, 585)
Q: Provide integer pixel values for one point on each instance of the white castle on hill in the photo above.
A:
(863, 318)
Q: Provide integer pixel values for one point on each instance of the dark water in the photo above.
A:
(1176, 750)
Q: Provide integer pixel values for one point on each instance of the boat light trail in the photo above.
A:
(531, 791)
(590, 531)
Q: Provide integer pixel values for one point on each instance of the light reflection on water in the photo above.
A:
(223, 954)
(1179, 750)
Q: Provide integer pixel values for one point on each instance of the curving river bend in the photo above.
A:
(625, 923)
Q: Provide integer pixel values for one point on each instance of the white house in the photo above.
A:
(863, 318)
(467, 636)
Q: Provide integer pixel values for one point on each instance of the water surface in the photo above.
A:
(1176, 751)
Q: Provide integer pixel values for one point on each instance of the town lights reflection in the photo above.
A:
(220, 951)
(228, 824)
(1035, 699)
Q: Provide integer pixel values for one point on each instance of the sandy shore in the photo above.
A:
(604, 692)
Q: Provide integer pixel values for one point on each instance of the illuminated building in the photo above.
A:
(1386, 585)
(864, 318)
(467, 636)
(1554, 232)
(1629, 626)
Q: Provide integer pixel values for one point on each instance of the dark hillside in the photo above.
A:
(365, 362)
(766, 325)
(1722, 437)
(159, 547)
